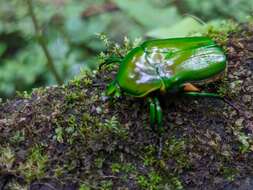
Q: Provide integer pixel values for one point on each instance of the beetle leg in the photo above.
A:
(113, 89)
(159, 116)
(152, 112)
(110, 60)
(212, 95)
(203, 94)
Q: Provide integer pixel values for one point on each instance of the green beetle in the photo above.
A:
(168, 66)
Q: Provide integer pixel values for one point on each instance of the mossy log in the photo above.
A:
(74, 137)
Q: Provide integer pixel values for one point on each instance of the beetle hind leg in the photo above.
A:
(212, 95)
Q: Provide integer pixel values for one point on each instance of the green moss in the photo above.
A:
(99, 162)
(150, 182)
(84, 187)
(224, 88)
(58, 171)
(149, 157)
(114, 126)
(18, 137)
(23, 94)
(229, 173)
(124, 170)
(106, 185)
(7, 158)
(16, 186)
(220, 31)
(67, 130)
(104, 143)
(116, 50)
(244, 142)
(176, 184)
(83, 78)
(174, 152)
(175, 149)
(87, 81)
(74, 97)
(35, 165)
(59, 132)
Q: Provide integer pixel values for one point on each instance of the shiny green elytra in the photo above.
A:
(166, 65)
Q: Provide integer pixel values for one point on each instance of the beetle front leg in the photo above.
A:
(109, 61)
(159, 116)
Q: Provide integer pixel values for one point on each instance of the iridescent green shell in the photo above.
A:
(167, 64)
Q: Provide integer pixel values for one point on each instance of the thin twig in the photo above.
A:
(41, 41)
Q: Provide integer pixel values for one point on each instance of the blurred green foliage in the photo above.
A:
(233, 9)
(70, 27)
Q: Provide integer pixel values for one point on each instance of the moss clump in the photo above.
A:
(7, 158)
(35, 165)
(88, 141)
(150, 182)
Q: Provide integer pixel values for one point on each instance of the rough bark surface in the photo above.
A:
(73, 137)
